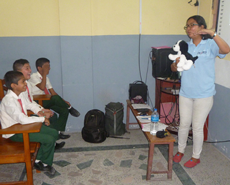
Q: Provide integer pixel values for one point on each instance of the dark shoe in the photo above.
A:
(74, 112)
(63, 136)
(59, 145)
(49, 169)
(39, 166)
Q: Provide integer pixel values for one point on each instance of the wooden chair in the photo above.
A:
(3, 88)
(41, 97)
(20, 152)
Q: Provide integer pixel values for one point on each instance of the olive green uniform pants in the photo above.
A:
(47, 138)
(57, 104)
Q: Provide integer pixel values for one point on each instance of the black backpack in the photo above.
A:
(114, 113)
(94, 127)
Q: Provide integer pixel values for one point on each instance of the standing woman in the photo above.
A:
(197, 85)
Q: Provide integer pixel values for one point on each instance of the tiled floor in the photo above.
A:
(123, 161)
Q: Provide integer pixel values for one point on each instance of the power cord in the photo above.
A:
(149, 58)
(173, 122)
(217, 141)
(209, 135)
(149, 99)
(139, 56)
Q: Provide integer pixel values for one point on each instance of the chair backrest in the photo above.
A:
(3, 88)
(0, 128)
(2, 93)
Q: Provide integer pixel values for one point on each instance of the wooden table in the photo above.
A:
(153, 140)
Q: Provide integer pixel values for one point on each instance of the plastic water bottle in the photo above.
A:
(154, 122)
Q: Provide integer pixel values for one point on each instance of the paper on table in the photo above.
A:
(146, 127)
(140, 106)
(144, 119)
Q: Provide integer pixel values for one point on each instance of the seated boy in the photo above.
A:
(41, 85)
(13, 110)
(23, 66)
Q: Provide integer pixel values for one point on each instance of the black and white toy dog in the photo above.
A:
(186, 59)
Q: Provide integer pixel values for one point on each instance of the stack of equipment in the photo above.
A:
(161, 64)
(138, 88)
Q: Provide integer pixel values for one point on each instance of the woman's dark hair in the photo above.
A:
(200, 21)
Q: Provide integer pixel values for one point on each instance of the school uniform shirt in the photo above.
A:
(35, 79)
(29, 96)
(199, 80)
(11, 111)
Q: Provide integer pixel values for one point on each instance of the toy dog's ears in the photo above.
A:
(178, 42)
(183, 47)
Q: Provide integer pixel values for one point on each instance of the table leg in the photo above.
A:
(150, 161)
(170, 160)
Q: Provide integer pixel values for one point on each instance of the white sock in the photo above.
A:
(45, 165)
(37, 161)
(70, 107)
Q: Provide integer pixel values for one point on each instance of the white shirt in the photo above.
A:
(11, 111)
(199, 81)
(35, 79)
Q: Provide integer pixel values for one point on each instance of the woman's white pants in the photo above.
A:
(195, 112)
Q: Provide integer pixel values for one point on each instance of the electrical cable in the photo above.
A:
(172, 123)
(139, 53)
(175, 117)
(139, 42)
(147, 70)
(209, 136)
(149, 58)
(139, 56)
(217, 141)
(139, 63)
(167, 120)
(149, 100)
(166, 117)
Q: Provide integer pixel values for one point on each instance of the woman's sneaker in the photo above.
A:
(177, 158)
(191, 163)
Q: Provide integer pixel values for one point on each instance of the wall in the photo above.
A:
(205, 10)
(93, 45)
(219, 116)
